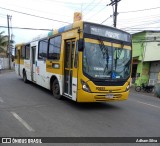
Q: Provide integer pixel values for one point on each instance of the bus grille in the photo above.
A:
(114, 90)
(104, 98)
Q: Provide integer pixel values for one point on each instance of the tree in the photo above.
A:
(4, 42)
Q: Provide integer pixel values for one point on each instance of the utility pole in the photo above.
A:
(114, 4)
(8, 47)
(115, 14)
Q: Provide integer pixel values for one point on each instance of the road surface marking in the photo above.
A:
(24, 123)
(148, 104)
(1, 100)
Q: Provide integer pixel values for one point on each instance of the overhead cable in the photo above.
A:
(27, 28)
(33, 15)
(106, 19)
(140, 10)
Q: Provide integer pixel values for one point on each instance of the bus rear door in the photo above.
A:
(33, 63)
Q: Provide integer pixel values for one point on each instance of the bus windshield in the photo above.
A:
(106, 62)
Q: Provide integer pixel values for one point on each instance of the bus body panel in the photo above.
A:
(27, 67)
(68, 70)
(21, 69)
(41, 75)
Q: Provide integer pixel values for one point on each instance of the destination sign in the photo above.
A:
(106, 31)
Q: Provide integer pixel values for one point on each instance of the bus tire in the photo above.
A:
(138, 88)
(24, 76)
(56, 89)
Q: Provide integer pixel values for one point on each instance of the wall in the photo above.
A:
(138, 45)
(4, 63)
(152, 47)
(154, 72)
(146, 50)
(143, 70)
(137, 54)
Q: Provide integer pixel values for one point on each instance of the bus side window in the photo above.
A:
(16, 53)
(27, 52)
(54, 48)
(23, 52)
(42, 49)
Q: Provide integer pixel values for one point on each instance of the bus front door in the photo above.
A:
(33, 64)
(70, 72)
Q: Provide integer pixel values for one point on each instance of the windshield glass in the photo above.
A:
(106, 62)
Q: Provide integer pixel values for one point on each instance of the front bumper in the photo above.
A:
(101, 97)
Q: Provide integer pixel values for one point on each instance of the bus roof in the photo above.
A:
(95, 29)
(66, 28)
(20, 44)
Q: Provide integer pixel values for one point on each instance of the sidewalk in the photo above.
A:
(3, 71)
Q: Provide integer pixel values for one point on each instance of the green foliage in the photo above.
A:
(4, 42)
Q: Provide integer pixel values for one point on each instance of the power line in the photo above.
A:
(33, 15)
(144, 24)
(141, 23)
(18, 6)
(3, 14)
(106, 19)
(140, 10)
(97, 12)
(134, 11)
(68, 3)
(27, 28)
(139, 30)
(94, 6)
(144, 28)
(137, 19)
(88, 5)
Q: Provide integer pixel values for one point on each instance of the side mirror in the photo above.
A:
(80, 45)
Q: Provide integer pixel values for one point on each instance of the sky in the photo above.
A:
(133, 15)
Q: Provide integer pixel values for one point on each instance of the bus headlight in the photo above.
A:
(85, 86)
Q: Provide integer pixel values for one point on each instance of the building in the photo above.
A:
(146, 57)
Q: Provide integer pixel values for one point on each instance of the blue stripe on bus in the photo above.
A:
(62, 29)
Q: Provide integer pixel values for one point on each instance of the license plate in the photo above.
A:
(109, 96)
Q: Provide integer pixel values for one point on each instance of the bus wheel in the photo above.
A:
(56, 89)
(24, 77)
(138, 88)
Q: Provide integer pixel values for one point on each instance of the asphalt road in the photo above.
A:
(28, 110)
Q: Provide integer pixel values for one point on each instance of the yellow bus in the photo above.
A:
(85, 62)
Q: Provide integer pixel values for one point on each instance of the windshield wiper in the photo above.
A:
(118, 55)
(87, 64)
(104, 51)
